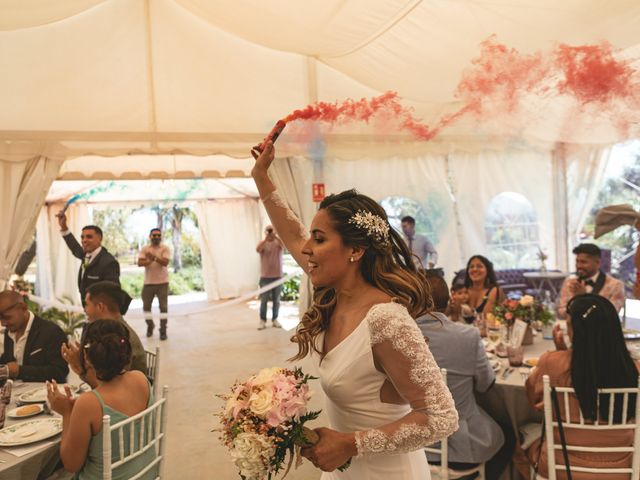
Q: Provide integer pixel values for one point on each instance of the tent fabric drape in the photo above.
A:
(230, 264)
(585, 170)
(57, 268)
(24, 185)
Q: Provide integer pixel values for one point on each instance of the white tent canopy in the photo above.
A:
(122, 76)
(196, 83)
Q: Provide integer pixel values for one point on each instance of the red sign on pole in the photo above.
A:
(318, 192)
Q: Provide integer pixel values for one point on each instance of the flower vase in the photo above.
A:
(543, 267)
(528, 336)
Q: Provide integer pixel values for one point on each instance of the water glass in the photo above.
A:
(5, 396)
(515, 355)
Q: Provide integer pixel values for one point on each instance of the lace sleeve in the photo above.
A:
(277, 201)
(399, 348)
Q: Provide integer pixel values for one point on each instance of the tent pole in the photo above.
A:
(561, 217)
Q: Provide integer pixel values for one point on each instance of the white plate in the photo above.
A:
(14, 412)
(531, 362)
(39, 394)
(30, 431)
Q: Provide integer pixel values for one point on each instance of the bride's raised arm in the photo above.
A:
(287, 225)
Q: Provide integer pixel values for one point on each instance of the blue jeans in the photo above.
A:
(273, 295)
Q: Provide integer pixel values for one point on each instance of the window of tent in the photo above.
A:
(399, 207)
(511, 231)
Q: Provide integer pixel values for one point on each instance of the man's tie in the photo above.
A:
(590, 282)
(411, 244)
(87, 261)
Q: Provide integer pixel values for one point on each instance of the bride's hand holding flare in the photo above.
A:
(263, 158)
(333, 450)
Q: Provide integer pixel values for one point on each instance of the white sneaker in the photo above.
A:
(262, 325)
(276, 324)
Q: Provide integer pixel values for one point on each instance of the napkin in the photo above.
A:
(27, 449)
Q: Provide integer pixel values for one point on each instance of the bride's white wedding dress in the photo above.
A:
(389, 436)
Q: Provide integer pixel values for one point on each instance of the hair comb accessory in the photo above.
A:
(589, 310)
(374, 225)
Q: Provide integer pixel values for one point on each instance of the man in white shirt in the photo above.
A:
(154, 257)
(31, 344)
(419, 244)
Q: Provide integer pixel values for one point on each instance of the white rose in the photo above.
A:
(526, 301)
(265, 376)
(251, 453)
(261, 402)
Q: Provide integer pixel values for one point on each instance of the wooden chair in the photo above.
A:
(594, 429)
(146, 430)
(442, 471)
(153, 370)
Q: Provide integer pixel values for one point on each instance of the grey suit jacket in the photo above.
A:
(459, 349)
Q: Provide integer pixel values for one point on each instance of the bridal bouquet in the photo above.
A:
(263, 420)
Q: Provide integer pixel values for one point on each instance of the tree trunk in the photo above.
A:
(176, 225)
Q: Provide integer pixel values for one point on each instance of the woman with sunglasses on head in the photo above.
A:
(597, 358)
(120, 394)
(385, 395)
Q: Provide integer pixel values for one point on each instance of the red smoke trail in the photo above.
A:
(365, 110)
(496, 83)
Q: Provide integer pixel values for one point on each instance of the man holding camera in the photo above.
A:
(271, 252)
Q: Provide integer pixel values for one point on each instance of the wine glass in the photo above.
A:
(468, 313)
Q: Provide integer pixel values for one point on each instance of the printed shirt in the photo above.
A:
(612, 290)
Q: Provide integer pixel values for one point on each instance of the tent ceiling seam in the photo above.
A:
(393, 21)
(150, 73)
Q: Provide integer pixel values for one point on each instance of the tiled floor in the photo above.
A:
(203, 356)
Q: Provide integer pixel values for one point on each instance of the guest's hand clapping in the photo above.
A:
(333, 450)
(71, 355)
(263, 158)
(59, 402)
(558, 338)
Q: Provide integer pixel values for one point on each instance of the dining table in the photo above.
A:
(31, 461)
(507, 403)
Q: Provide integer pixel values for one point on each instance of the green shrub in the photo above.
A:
(67, 321)
(132, 284)
(291, 289)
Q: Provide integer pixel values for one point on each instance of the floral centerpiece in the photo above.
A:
(526, 309)
(263, 421)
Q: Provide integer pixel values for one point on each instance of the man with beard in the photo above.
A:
(590, 279)
(154, 257)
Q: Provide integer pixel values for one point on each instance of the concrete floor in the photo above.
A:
(203, 356)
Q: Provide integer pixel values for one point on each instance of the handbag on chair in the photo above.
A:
(556, 411)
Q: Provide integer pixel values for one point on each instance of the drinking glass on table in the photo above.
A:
(493, 334)
(515, 355)
(468, 313)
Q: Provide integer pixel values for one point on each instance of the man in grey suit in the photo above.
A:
(459, 348)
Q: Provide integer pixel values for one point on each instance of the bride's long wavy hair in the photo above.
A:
(387, 266)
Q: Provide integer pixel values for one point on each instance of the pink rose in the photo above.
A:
(508, 316)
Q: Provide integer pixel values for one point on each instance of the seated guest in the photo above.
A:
(482, 285)
(103, 303)
(458, 307)
(598, 358)
(31, 344)
(590, 279)
(458, 348)
(119, 393)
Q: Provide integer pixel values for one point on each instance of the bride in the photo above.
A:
(385, 395)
